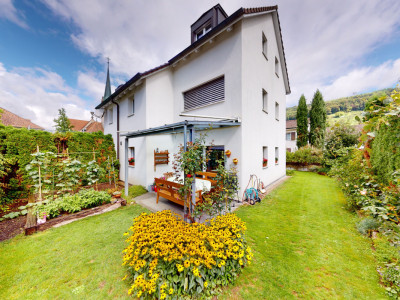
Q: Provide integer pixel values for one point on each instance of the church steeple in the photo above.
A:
(107, 91)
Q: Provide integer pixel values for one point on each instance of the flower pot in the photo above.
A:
(131, 163)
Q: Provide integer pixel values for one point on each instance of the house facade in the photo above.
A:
(291, 135)
(233, 71)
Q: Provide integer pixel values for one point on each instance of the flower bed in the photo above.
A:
(168, 258)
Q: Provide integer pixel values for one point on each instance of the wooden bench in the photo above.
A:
(210, 176)
(169, 190)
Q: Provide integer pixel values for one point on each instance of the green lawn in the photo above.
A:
(81, 260)
(306, 246)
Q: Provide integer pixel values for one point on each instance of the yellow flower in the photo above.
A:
(163, 296)
(205, 284)
(125, 277)
(186, 264)
(171, 291)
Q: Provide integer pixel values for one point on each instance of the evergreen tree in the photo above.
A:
(62, 122)
(302, 122)
(317, 120)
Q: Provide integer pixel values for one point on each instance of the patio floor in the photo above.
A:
(149, 199)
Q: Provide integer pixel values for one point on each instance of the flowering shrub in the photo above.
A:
(169, 258)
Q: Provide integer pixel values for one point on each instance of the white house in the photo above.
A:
(233, 74)
(291, 135)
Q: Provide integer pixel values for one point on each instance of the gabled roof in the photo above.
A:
(86, 126)
(291, 124)
(10, 119)
(225, 23)
(218, 6)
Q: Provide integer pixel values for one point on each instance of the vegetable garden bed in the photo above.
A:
(13, 227)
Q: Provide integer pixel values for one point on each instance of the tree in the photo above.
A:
(62, 122)
(317, 120)
(302, 123)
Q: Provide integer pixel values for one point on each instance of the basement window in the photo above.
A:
(208, 93)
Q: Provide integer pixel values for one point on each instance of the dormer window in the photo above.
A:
(203, 31)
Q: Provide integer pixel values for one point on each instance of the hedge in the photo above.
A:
(17, 145)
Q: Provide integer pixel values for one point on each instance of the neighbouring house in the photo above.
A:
(10, 119)
(291, 135)
(232, 77)
(86, 126)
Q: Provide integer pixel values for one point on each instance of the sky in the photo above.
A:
(53, 53)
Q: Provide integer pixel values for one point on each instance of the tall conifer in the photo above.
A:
(302, 122)
(317, 120)
(62, 122)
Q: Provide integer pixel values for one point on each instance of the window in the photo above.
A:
(131, 156)
(265, 157)
(110, 115)
(265, 100)
(276, 67)
(288, 150)
(205, 94)
(203, 31)
(217, 153)
(276, 155)
(277, 111)
(131, 106)
(293, 136)
(264, 45)
(288, 136)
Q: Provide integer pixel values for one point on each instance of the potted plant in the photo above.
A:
(131, 161)
(276, 160)
(116, 194)
(265, 162)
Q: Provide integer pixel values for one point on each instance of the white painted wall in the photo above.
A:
(260, 128)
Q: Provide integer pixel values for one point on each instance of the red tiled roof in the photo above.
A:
(89, 126)
(237, 14)
(10, 119)
(291, 124)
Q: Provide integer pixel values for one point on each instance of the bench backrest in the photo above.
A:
(210, 176)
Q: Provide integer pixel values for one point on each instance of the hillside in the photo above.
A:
(344, 105)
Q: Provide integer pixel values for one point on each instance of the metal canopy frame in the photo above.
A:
(179, 127)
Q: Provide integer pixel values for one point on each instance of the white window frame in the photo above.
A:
(110, 114)
(264, 101)
(265, 156)
(131, 106)
(290, 136)
(265, 46)
(277, 111)
(276, 66)
(207, 28)
(131, 153)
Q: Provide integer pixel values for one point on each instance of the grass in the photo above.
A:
(345, 117)
(81, 260)
(306, 245)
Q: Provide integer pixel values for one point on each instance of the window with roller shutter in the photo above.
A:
(205, 94)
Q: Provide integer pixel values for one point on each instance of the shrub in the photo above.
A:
(366, 225)
(169, 258)
(305, 156)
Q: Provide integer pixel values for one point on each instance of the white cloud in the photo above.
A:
(9, 12)
(37, 94)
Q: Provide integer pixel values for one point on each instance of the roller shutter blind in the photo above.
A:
(205, 94)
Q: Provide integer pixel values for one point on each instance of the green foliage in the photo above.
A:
(307, 155)
(385, 155)
(136, 190)
(73, 203)
(302, 123)
(340, 139)
(17, 145)
(317, 120)
(366, 225)
(346, 104)
(62, 122)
